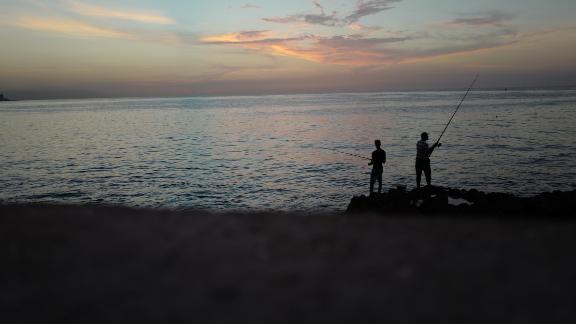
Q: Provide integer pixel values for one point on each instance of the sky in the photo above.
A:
(141, 48)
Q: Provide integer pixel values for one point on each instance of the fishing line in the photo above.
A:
(358, 156)
(441, 134)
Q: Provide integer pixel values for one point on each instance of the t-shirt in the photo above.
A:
(422, 150)
(378, 159)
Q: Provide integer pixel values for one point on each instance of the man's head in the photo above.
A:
(377, 143)
(424, 136)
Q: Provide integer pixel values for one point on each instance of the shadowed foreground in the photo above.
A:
(94, 264)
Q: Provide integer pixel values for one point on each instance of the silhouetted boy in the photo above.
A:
(423, 159)
(377, 163)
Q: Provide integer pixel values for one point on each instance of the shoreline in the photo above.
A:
(426, 201)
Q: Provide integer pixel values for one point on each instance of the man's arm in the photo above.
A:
(430, 150)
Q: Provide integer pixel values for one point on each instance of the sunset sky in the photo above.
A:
(115, 48)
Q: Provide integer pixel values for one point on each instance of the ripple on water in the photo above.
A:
(277, 152)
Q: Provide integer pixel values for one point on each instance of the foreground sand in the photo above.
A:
(95, 264)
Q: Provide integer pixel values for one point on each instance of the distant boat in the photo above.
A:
(3, 98)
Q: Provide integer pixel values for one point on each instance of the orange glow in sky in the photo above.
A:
(83, 48)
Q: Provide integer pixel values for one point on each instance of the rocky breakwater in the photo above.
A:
(433, 200)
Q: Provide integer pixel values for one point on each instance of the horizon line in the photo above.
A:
(511, 88)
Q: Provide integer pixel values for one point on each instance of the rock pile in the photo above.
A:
(439, 200)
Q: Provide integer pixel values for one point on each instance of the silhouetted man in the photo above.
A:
(423, 152)
(377, 163)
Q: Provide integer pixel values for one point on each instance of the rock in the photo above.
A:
(435, 200)
(436, 203)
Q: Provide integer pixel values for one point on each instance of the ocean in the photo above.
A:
(280, 152)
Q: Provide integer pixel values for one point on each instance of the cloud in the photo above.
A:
(453, 49)
(360, 50)
(69, 17)
(546, 32)
(495, 18)
(334, 19)
(343, 49)
(250, 6)
(313, 19)
(362, 28)
(68, 27)
(239, 37)
(367, 8)
(285, 20)
(80, 29)
(97, 11)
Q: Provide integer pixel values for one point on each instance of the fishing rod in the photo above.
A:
(358, 156)
(458, 107)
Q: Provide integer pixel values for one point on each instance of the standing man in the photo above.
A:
(377, 163)
(423, 159)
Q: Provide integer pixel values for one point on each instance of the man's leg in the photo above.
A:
(428, 172)
(418, 174)
(372, 179)
(380, 182)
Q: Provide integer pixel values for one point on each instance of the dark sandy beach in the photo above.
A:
(69, 264)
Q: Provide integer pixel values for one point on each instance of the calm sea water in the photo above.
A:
(277, 152)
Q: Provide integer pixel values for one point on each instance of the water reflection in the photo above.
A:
(278, 151)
